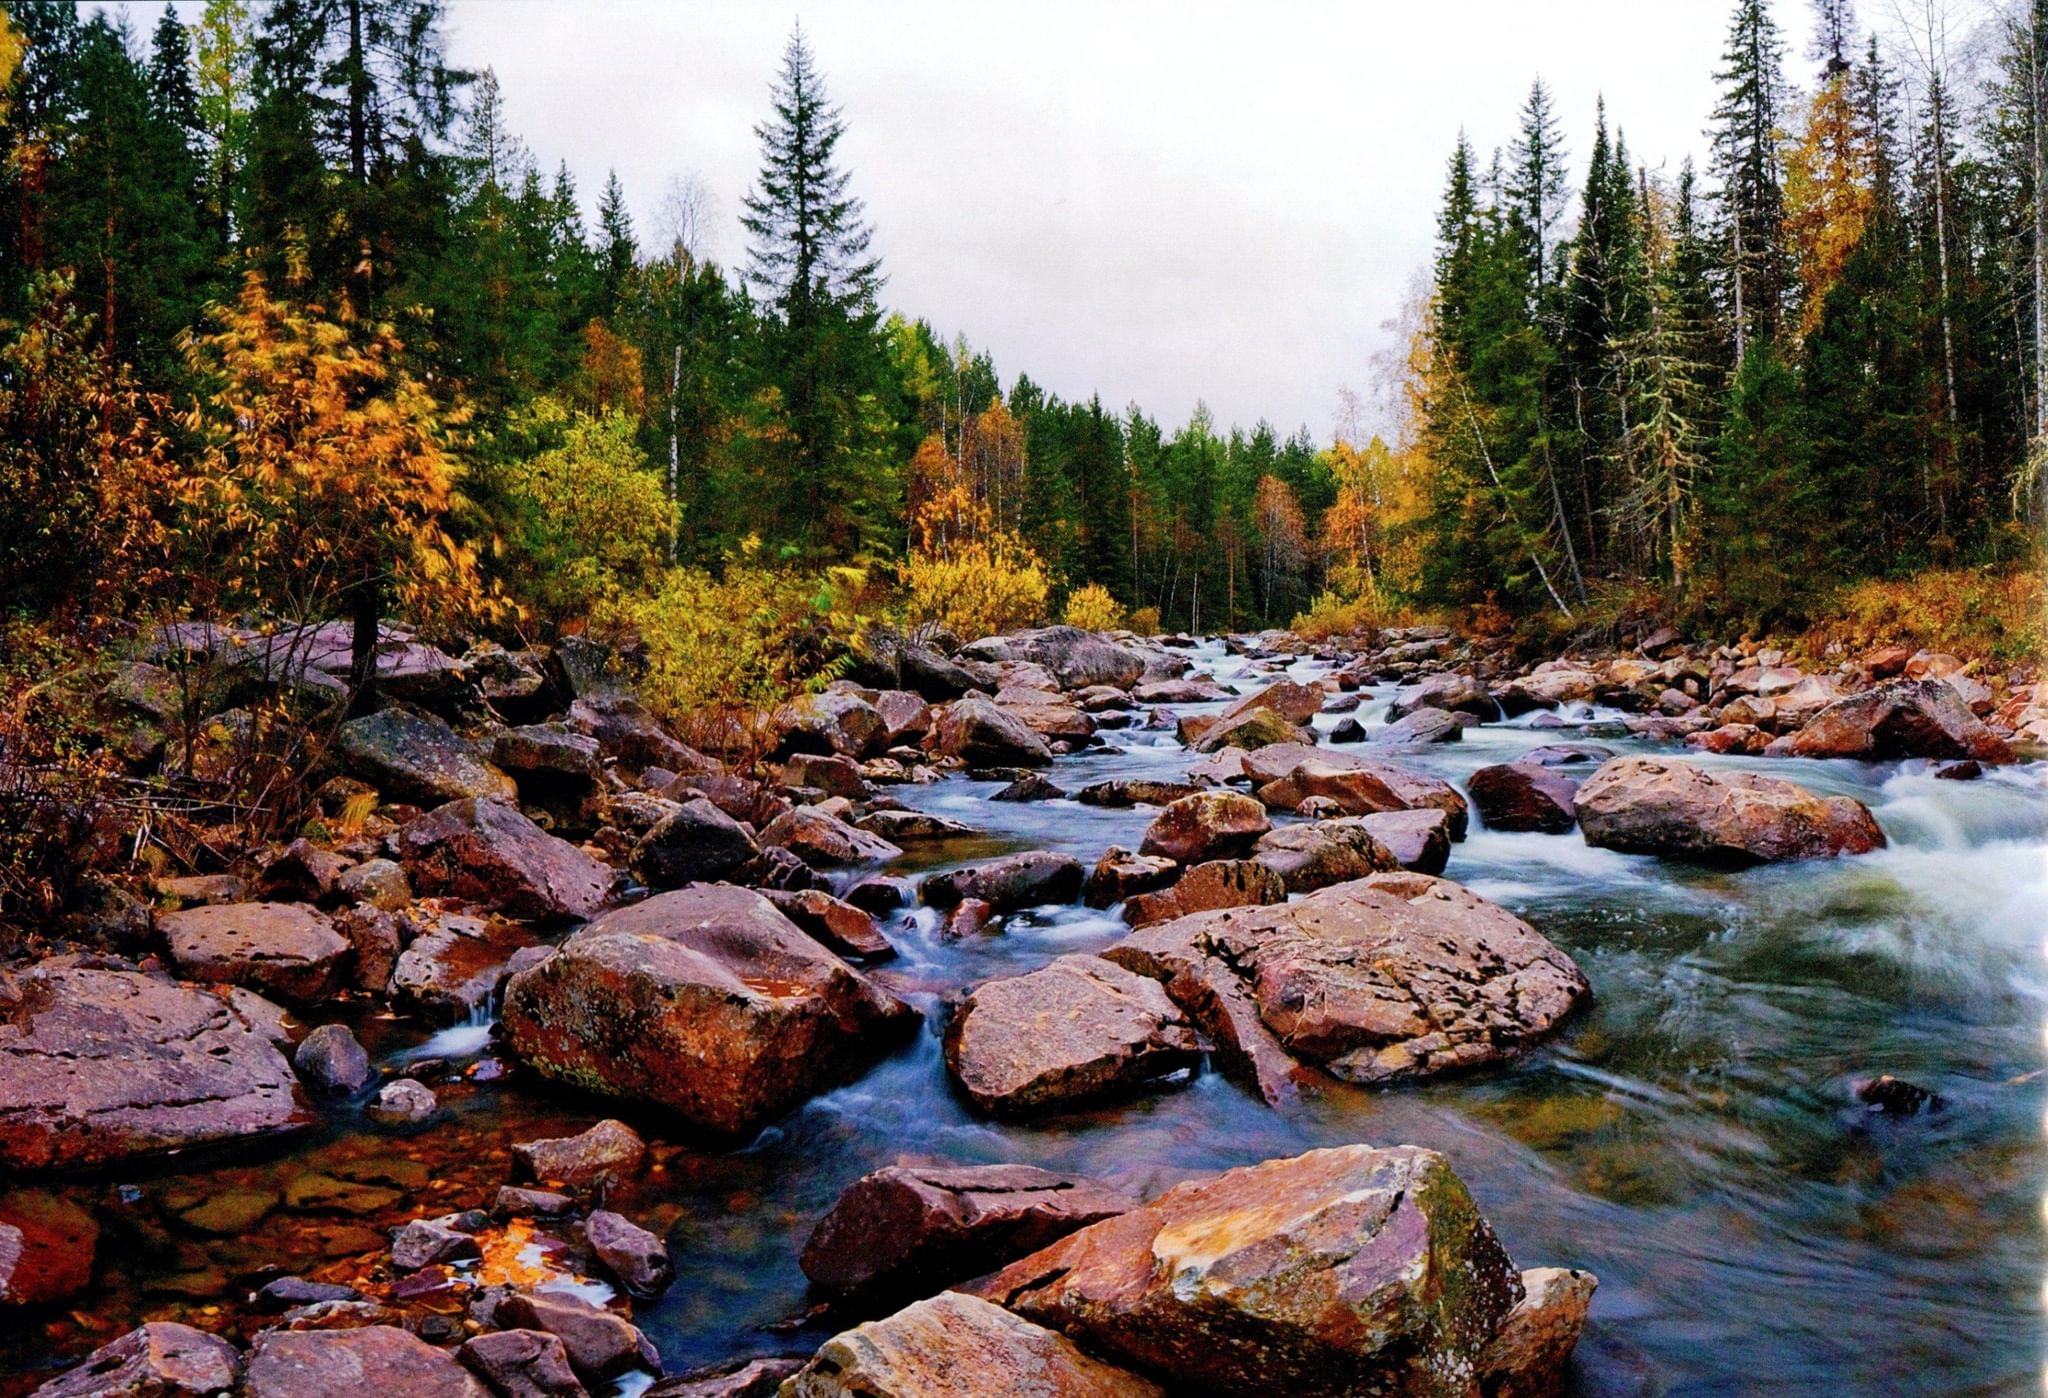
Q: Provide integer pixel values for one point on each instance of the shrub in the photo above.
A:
(722, 652)
(1092, 609)
(1145, 621)
(1994, 613)
(980, 587)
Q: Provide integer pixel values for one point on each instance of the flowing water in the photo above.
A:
(1691, 1136)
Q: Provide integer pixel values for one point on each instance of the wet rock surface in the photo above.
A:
(489, 854)
(705, 1002)
(1646, 805)
(99, 1066)
(908, 1229)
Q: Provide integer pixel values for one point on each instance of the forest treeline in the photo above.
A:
(295, 324)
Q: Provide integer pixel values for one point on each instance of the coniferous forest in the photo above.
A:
(1642, 388)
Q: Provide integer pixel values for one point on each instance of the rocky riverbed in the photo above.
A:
(1204, 1012)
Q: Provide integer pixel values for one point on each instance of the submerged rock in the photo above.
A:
(908, 1229)
(1648, 805)
(1076, 1029)
(706, 1002)
(98, 1066)
(1337, 1272)
(606, 1154)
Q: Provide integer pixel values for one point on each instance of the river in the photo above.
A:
(1691, 1136)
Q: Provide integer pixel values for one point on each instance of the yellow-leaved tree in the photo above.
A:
(968, 576)
(324, 481)
(1093, 609)
(1828, 196)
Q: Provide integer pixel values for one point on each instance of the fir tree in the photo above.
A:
(1744, 137)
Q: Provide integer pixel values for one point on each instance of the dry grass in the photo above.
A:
(1995, 613)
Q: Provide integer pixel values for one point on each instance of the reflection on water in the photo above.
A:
(1691, 1136)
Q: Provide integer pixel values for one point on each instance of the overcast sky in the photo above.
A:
(1159, 202)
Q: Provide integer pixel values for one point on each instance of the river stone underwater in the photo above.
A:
(1691, 1136)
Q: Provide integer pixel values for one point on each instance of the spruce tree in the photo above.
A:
(1535, 184)
(1744, 137)
(617, 249)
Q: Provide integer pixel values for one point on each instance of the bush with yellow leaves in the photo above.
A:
(723, 651)
(980, 586)
(1092, 609)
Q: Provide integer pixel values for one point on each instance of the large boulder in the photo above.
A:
(824, 841)
(1547, 687)
(1908, 718)
(1358, 786)
(1656, 805)
(284, 949)
(1252, 729)
(1393, 976)
(422, 760)
(1528, 1354)
(372, 1359)
(161, 1359)
(955, 1346)
(1297, 703)
(833, 722)
(1420, 727)
(1343, 1271)
(100, 1066)
(696, 843)
(980, 734)
(1207, 825)
(1219, 883)
(1076, 658)
(1419, 840)
(1119, 874)
(1318, 853)
(705, 1002)
(1007, 884)
(489, 854)
(1524, 795)
(628, 731)
(1077, 1029)
(908, 1229)
(1051, 715)
(1454, 693)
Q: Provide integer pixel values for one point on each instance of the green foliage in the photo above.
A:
(591, 522)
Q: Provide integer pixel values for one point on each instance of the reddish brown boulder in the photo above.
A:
(1744, 738)
(1452, 693)
(1419, 840)
(982, 735)
(98, 1066)
(955, 1346)
(1007, 884)
(1220, 883)
(909, 1229)
(1394, 976)
(1523, 796)
(1338, 1272)
(1207, 825)
(1134, 792)
(824, 841)
(1251, 730)
(285, 949)
(373, 1359)
(600, 1345)
(522, 1364)
(1076, 1029)
(706, 1002)
(489, 854)
(1909, 718)
(1318, 853)
(629, 1252)
(833, 722)
(1297, 703)
(1645, 805)
(839, 926)
(696, 843)
(1052, 716)
(1120, 873)
(1528, 1354)
(1360, 786)
(159, 1360)
(410, 758)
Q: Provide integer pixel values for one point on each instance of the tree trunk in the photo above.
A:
(2037, 104)
(365, 603)
(675, 465)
